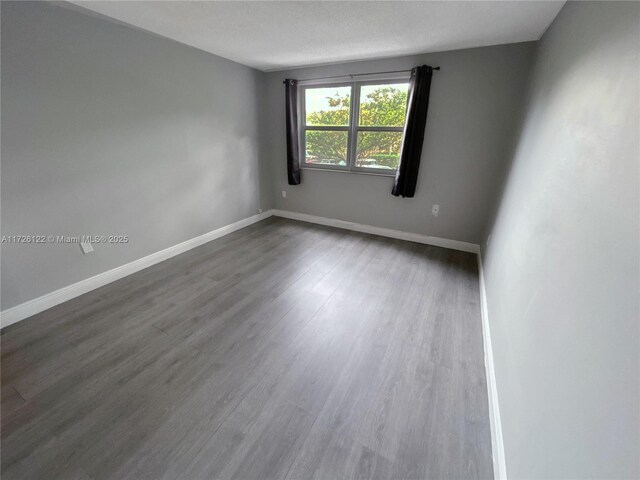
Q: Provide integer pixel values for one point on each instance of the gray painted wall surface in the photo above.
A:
(562, 266)
(475, 107)
(110, 130)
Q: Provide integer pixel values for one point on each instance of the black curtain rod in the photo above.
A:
(360, 74)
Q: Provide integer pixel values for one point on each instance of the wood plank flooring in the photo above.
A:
(285, 350)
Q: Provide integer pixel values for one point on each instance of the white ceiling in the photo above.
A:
(273, 35)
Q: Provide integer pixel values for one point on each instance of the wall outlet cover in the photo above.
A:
(86, 247)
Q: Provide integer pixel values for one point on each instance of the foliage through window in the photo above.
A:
(354, 126)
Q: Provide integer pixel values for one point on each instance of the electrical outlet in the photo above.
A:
(435, 210)
(86, 247)
(284, 194)
(259, 210)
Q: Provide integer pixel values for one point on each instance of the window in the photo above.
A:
(353, 125)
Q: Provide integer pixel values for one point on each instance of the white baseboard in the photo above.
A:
(383, 232)
(37, 305)
(499, 464)
(497, 443)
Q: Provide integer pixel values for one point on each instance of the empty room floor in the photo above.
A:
(283, 350)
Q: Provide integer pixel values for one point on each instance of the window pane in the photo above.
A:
(379, 150)
(383, 105)
(327, 105)
(326, 147)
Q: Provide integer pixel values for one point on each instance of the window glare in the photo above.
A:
(327, 106)
(383, 105)
(371, 141)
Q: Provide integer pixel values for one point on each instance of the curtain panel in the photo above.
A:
(406, 178)
(293, 148)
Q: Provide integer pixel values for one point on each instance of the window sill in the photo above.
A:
(356, 172)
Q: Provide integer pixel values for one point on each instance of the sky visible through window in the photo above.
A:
(381, 106)
(319, 101)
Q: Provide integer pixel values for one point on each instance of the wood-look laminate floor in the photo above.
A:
(285, 350)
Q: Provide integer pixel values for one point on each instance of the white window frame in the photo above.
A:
(355, 82)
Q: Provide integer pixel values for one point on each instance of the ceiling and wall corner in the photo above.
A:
(562, 269)
(172, 98)
(271, 36)
(475, 106)
(111, 130)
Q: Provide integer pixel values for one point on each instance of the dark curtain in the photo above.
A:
(413, 134)
(293, 150)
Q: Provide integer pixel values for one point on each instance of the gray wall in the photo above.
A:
(562, 265)
(476, 102)
(110, 130)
